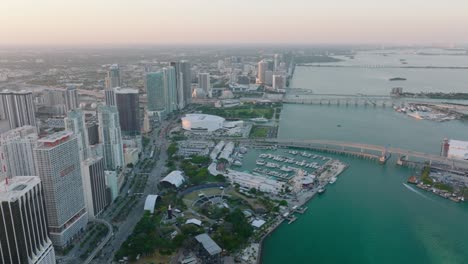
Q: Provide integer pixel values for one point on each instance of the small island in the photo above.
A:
(397, 79)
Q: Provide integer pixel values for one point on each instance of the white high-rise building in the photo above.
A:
(262, 68)
(113, 77)
(75, 122)
(16, 152)
(204, 82)
(18, 108)
(111, 137)
(58, 165)
(24, 238)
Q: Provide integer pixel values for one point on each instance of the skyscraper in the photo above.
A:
(204, 82)
(113, 77)
(170, 87)
(111, 138)
(109, 96)
(18, 108)
(276, 62)
(262, 68)
(94, 186)
(71, 98)
(58, 164)
(155, 91)
(16, 152)
(185, 72)
(75, 122)
(24, 238)
(127, 103)
(278, 82)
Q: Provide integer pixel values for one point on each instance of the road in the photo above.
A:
(104, 241)
(126, 227)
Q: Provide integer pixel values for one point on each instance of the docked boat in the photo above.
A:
(237, 163)
(286, 169)
(260, 162)
(333, 180)
(293, 152)
(321, 190)
(271, 165)
(259, 120)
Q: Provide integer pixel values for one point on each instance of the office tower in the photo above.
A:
(276, 62)
(185, 72)
(127, 103)
(94, 186)
(109, 96)
(58, 165)
(75, 122)
(113, 77)
(278, 82)
(179, 90)
(262, 68)
(268, 77)
(53, 98)
(204, 82)
(111, 138)
(16, 152)
(18, 108)
(93, 132)
(155, 91)
(71, 98)
(170, 87)
(24, 238)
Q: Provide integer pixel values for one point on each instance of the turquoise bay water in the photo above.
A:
(369, 215)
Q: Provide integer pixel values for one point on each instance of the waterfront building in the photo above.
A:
(16, 152)
(24, 238)
(202, 122)
(94, 186)
(75, 122)
(278, 82)
(18, 108)
(58, 165)
(457, 149)
(155, 91)
(111, 137)
(262, 68)
(127, 103)
(204, 82)
(71, 98)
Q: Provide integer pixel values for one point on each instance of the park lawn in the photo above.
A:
(259, 132)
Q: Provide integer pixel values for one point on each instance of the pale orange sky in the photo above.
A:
(73, 22)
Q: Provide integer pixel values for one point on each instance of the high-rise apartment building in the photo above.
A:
(186, 78)
(170, 87)
(179, 86)
(58, 165)
(24, 238)
(75, 122)
(111, 137)
(16, 152)
(18, 108)
(155, 91)
(262, 68)
(279, 82)
(94, 186)
(71, 98)
(127, 103)
(204, 82)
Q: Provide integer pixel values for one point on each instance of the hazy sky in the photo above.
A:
(30, 22)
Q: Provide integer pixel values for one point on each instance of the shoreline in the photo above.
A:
(307, 199)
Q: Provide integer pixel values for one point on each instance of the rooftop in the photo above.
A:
(210, 246)
(120, 90)
(16, 187)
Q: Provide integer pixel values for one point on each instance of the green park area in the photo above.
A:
(259, 132)
(244, 111)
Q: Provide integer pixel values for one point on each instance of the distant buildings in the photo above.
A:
(24, 237)
(262, 68)
(113, 77)
(17, 108)
(71, 98)
(16, 152)
(58, 165)
(75, 122)
(279, 82)
(204, 82)
(111, 137)
(127, 103)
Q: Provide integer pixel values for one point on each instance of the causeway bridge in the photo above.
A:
(368, 151)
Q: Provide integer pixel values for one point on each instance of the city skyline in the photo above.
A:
(227, 22)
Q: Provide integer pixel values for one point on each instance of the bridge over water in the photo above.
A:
(368, 151)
